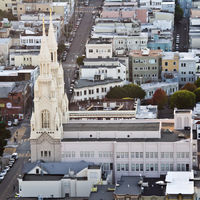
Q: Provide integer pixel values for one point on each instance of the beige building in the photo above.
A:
(50, 103)
(23, 59)
(145, 65)
(9, 5)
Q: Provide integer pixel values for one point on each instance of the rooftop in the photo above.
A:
(111, 127)
(99, 41)
(82, 83)
(179, 183)
(57, 168)
(102, 193)
(128, 185)
(42, 177)
(148, 52)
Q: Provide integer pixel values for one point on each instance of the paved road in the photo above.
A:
(182, 28)
(7, 188)
(78, 44)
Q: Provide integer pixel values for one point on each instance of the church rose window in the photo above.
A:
(45, 119)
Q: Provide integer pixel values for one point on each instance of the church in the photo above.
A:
(122, 147)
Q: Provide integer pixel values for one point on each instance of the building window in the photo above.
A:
(37, 171)
(45, 119)
(45, 153)
(49, 153)
(90, 50)
(166, 63)
(41, 153)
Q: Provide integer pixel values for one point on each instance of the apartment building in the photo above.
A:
(145, 65)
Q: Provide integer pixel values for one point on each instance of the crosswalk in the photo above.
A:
(24, 155)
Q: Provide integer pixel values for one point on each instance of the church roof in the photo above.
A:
(57, 167)
(111, 126)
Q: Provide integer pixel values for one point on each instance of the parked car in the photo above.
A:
(3, 173)
(10, 164)
(7, 168)
(14, 156)
(1, 177)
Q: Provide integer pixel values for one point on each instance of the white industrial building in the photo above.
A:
(58, 180)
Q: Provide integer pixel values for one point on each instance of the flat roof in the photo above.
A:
(111, 126)
(179, 183)
(82, 83)
(128, 185)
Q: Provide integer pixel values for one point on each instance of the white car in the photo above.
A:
(1, 177)
(7, 168)
(3, 173)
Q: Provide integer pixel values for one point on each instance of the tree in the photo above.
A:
(61, 48)
(4, 134)
(159, 98)
(197, 83)
(189, 86)
(116, 93)
(131, 90)
(183, 99)
(197, 93)
(178, 12)
(79, 60)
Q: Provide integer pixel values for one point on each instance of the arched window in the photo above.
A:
(45, 119)
(51, 56)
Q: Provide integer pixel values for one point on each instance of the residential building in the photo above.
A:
(194, 29)
(94, 89)
(170, 61)
(15, 99)
(139, 14)
(145, 65)
(187, 67)
(59, 180)
(5, 44)
(9, 6)
(99, 48)
(168, 6)
(169, 88)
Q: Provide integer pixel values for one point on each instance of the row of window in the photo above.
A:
(45, 154)
(30, 41)
(130, 42)
(166, 63)
(109, 154)
(91, 91)
(99, 50)
(152, 167)
(185, 79)
(151, 61)
(145, 75)
(190, 72)
(145, 68)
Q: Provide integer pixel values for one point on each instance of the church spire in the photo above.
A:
(45, 57)
(52, 43)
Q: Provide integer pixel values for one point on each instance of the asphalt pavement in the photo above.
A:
(77, 47)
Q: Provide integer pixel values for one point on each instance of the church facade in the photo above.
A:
(50, 103)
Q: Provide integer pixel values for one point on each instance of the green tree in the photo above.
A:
(4, 134)
(197, 83)
(178, 12)
(189, 86)
(197, 93)
(61, 48)
(183, 99)
(116, 93)
(159, 98)
(79, 60)
(131, 90)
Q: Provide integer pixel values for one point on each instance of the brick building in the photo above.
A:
(15, 99)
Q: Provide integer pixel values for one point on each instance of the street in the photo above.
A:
(181, 29)
(78, 44)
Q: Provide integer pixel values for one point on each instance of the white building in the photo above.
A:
(58, 180)
(150, 88)
(98, 48)
(94, 89)
(187, 67)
